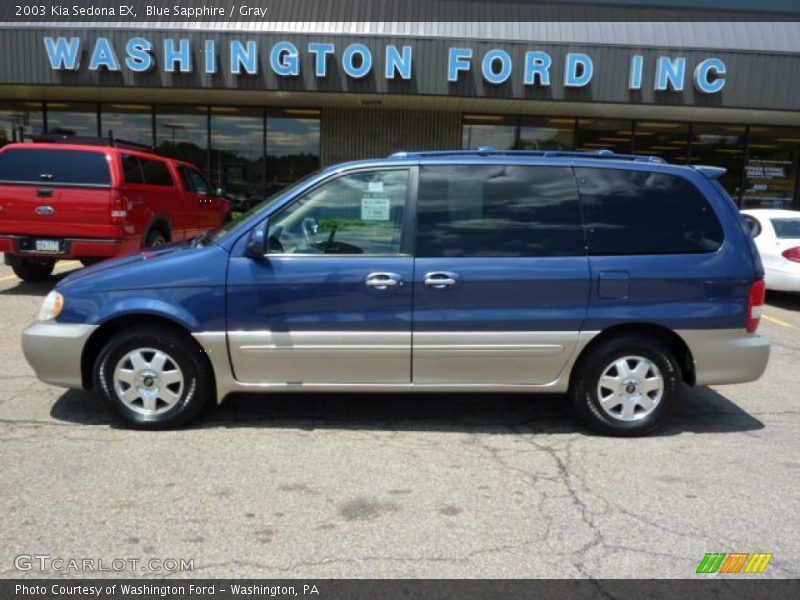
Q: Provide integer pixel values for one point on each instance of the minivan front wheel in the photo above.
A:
(152, 379)
(626, 386)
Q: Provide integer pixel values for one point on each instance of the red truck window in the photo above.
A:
(155, 172)
(194, 182)
(54, 167)
(132, 169)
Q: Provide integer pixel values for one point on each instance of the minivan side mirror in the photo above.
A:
(256, 246)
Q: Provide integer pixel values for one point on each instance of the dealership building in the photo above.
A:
(259, 104)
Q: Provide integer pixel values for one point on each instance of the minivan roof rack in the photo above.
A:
(489, 151)
(109, 141)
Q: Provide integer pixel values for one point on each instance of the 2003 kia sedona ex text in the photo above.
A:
(616, 279)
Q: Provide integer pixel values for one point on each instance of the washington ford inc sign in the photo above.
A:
(285, 59)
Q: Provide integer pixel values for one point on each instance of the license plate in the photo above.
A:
(48, 246)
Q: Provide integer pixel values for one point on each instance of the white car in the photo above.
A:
(777, 236)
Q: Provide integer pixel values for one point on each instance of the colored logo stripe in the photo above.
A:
(734, 562)
(758, 563)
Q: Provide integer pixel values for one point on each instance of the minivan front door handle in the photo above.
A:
(383, 281)
(440, 280)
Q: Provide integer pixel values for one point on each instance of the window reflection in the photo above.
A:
(770, 171)
(237, 154)
(130, 122)
(293, 147)
(182, 132)
(667, 139)
(604, 134)
(721, 146)
(546, 133)
(18, 119)
(489, 130)
(72, 118)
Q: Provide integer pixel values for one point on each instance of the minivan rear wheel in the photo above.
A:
(626, 386)
(31, 269)
(152, 379)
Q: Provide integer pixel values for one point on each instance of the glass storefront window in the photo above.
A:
(130, 122)
(237, 152)
(546, 133)
(770, 170)
(72, 118)
(489, 130)
(182, 133)
(721, 146)
(604, 134)
(293, 146)
(667, 139)
(18, 119)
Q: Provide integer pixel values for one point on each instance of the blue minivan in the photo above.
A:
(616, 279)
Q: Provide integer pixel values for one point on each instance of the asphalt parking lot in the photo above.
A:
(400, 486)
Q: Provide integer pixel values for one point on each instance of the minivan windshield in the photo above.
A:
(787, 229)
(247, 219)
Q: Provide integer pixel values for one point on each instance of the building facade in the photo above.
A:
(258, 105)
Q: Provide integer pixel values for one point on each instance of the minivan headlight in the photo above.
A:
(51, 307)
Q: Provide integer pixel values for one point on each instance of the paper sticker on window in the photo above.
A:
(375, 208)
(375, 187)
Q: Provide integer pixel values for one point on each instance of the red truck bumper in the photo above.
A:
(24, 246)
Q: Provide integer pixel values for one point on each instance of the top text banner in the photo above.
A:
(255, 11)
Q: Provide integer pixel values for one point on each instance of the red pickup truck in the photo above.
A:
(88, 201)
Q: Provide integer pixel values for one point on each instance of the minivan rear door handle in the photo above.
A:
(44, 193)
(441, 280)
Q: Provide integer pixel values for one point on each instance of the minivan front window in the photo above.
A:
(249, 218)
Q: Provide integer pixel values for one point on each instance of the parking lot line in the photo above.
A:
(778, 321)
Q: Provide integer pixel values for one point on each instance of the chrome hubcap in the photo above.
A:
(148, 381)
(630, 388)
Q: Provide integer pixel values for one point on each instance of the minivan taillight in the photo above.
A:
(118, 206)
(792, 254)
(755, 304)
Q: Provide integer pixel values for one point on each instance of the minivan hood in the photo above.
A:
(174, 265)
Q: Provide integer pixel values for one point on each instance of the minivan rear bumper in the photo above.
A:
(726, 355)
(74, 247)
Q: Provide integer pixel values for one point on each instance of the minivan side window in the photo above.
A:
(642, 212)
(155, 172)
(498, 210)
(359, 213)
(48, 166)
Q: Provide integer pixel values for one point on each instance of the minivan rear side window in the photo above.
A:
(498, 210)
(642, 212)
(155, 172)
(46, 166)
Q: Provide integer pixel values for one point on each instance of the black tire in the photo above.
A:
(33, 269)
(155, 238)
(585, 395)
(227, 218)
(198, 388)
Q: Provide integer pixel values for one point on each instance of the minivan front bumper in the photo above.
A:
(54, 351)
(726, 355)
